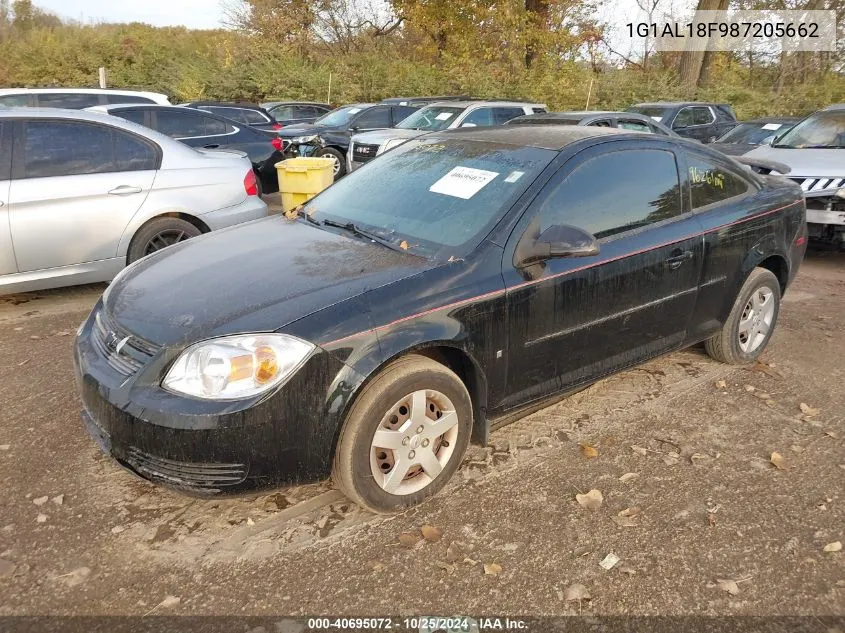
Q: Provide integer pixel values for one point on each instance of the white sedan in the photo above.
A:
(84, 194)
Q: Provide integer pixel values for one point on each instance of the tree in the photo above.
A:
(692, 61)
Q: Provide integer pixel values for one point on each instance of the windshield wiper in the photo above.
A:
(357, 230)
(302, 213)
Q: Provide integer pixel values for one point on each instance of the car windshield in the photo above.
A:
(819, 130)
(340, 116)
(431, 118)
(752, 133)
(655, 112)
(434, 197)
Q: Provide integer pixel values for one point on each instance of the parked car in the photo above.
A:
(749, 134)
(244, 113)
(293, 112)
(701, 121)
(621, 120)
(205, 130)
(426, 299)
(434, 118)
(329, 135)
(84, 194)
(814, 151)
(74, 98)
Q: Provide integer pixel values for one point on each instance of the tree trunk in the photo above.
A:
(538, 11)
(692, 62)
(710, 56)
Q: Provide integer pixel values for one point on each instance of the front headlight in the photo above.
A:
(233, 367)
(390, 145)
(301, 140)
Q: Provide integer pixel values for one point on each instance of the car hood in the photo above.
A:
(304, 129)
(259, 276)
(379, 137)
(821, 163)
(732, 149)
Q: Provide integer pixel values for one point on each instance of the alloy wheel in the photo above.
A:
(164, 239)
(756, 319)
(414, 442)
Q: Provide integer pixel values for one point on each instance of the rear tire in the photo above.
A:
(752, 321)
(423, 415)
(158, 234)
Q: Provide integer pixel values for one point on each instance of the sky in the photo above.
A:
(195, 14)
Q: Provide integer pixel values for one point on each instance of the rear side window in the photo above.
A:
(68, 100)
(236, 114)
(616, 192)
(17, 101)
(120, 98)
(185, 124)
(711, 182)
(685, 118)
(702, 116)
(69, 148)
(254, 117)
(136, 116)
(601, 123)
(400, 113)
(538, 110)
(503, 115)
(283, 113)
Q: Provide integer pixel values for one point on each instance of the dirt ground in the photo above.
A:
(703, 516)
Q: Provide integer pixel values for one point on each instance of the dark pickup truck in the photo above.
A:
(703, 122)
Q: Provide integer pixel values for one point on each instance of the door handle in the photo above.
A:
(211, 146)
(125, 190)
(678, 258)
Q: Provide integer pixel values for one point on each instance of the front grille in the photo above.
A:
(124, 353)
(207, 476)
(819, 184)
(363, 152)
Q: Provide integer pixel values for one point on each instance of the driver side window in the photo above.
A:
(615, 192)
(684, 118)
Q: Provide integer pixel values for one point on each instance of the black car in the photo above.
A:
(749, 134)
(205, 130)
(704, 122)
(424, 299)
(245, 113)
(293, 112)
(329, 135)
(630, 121)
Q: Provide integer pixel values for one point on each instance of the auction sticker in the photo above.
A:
(463, 182)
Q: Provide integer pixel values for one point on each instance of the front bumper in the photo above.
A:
(821, 216)
(206, 447)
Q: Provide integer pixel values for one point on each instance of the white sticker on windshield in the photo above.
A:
(463, 182)
(773, 126)
(657, 118)
(444, 116)
(514, 176)
(354, 110)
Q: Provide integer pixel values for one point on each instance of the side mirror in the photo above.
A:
(557, 241)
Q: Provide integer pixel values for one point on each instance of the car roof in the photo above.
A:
(140, 93)
(835, 106)
(484, 102)
(673, 104)
(773, 119)
(553, 137)
(276, 104)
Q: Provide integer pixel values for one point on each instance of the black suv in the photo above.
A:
(704, 122)
(329, 135)
(205, 130)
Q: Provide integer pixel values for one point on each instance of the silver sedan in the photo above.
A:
(84, 194)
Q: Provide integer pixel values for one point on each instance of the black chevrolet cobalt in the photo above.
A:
(462, 278)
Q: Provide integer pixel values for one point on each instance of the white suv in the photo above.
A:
(445, 115)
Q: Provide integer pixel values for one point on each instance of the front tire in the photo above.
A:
(340, 161)
(751, 322)
(404, 436)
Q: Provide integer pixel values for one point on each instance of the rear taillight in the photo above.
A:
(277, 143)
(801, 240)
(250, 184)
(277, 126)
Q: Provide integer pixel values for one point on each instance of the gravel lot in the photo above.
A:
(681, 449)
